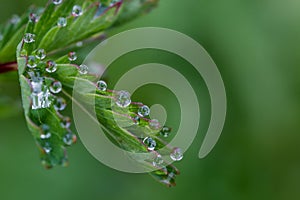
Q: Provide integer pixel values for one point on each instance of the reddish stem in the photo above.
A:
(7, 67)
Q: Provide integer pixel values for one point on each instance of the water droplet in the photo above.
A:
(47, 147)
(77, 11)
(34, 18)
(158, 161)
(60, 103)
(62, 22)
(83, 69)
(69, 138)
(66, 122)
(40, 100)
(40, 96)
(57, 2)
(56, 87)
(165, 131)
(72, 56)
(114, 2)
(150, 143)
(176, 154)
(29, 38)
(40, 54)
(136, 120)
(102, 86)
(144, 111)
(154, 124)
(46, 132)
(122, 99)
(15, 19)
(79, 44)
(51, 66)
(31, 62)
(37, 85)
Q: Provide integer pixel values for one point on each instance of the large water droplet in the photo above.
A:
(150, 143)
(40, 96)
(40, 54)
(158, 161)
(51, 66)
(29, 38)
(57, 2)
(101, 85)
(60, 103)
(62, 22)
(154, 124)
(176, 154)
(72, 56)
(69, 138)
(56, 87)
(31, 62)
(83, 69)
(165, 131)
(143, 111)
(77, 11)
(122, 99)
(34, 18)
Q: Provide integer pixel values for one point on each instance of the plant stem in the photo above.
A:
(8, 67)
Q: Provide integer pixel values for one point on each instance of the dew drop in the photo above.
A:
(69, 138)
(57, 2)
(154, 124)
(29, 38)
(144, 111)
(136, 120)
(60, 103)
(40, 54)
(79, 44)
(114, 2)
(83, 69)
(62, 22)
(66, 122)
(40, 100)
(40, 96)
(34, 18)
(46, 132)
(15, 19)
(176, 154)
(77, 11)
(165, 131)
(158, 161)
(72, 56)
(47, 147)
(122, 99)
(102, 86)
(56, 87)
(150, 143)
(51, 66)
(31, 62)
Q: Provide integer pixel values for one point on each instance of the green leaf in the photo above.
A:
(44, 111)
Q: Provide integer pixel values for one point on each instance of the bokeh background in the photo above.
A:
(256, 46)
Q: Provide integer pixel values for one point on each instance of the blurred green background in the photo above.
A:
(256, 45)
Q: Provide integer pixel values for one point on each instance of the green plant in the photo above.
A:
(45, 41)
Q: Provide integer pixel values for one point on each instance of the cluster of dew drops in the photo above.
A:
(43, 96)
(45, 90)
